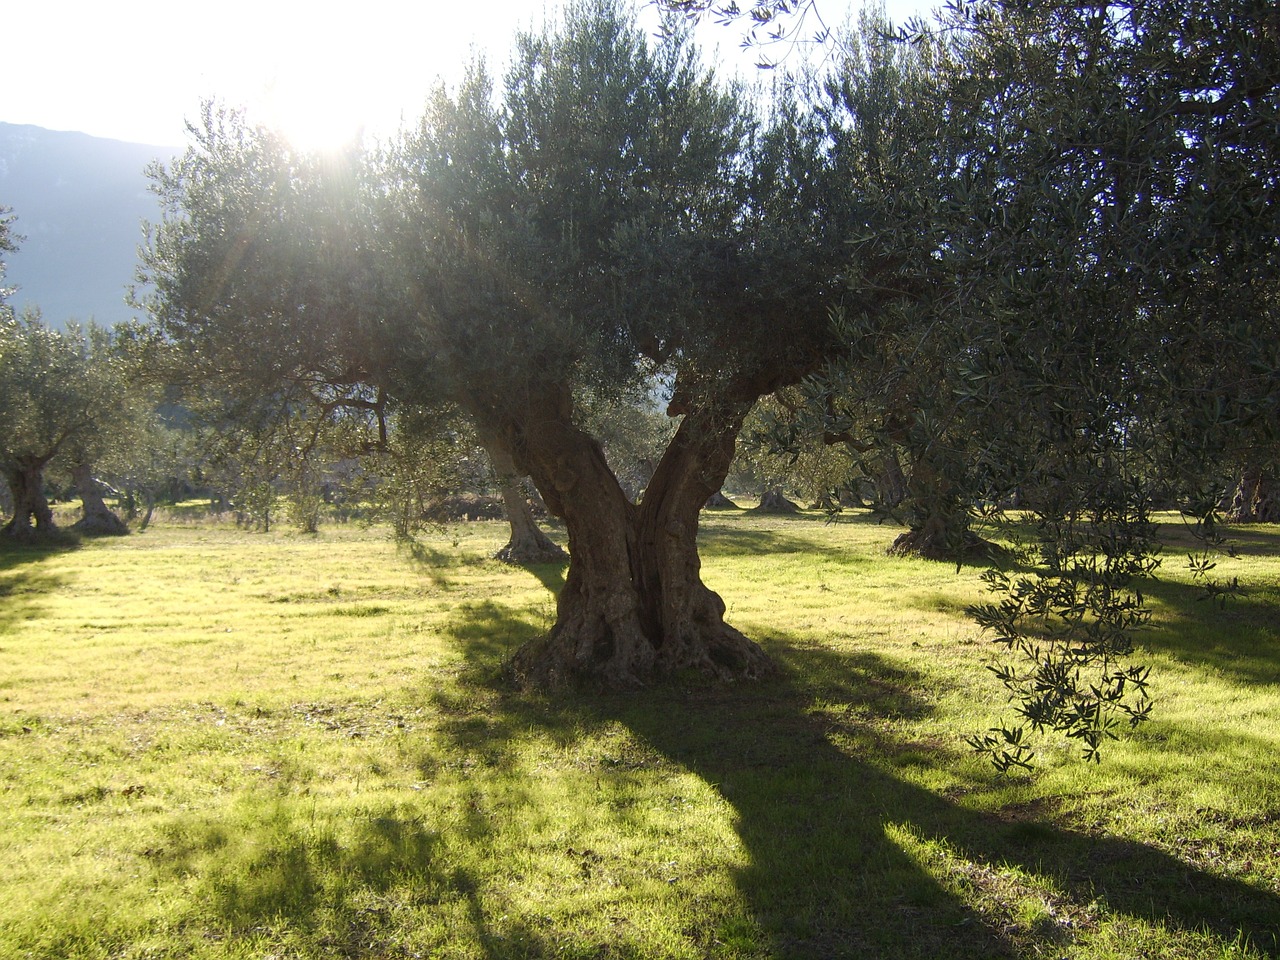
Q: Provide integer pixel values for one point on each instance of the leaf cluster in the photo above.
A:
(66, 394)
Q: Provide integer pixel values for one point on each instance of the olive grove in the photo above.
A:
(1026, 251)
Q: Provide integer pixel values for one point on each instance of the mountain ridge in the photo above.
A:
(79, 203)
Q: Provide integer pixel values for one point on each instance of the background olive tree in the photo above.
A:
(65, 398)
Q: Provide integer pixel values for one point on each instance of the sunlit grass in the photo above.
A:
(224, 744)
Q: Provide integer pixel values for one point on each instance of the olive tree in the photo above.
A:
(611, 214)
(62, 395)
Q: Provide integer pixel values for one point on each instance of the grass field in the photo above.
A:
(225, 744)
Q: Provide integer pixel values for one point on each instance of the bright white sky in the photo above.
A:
(137, 69)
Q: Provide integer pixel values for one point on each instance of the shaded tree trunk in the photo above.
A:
(528, 544)
(890, 481)
(149, 499)
(32, 519)
(97, 520)
(633, 606)
(939, 518)
(943, 535)
(1256, 498)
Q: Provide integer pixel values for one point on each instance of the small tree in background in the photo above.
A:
(63, 396)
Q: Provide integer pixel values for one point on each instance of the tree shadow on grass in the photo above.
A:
(848, 855)
(1238, 638)
(428, 560)
(741, 539)
(1249, 540)
(491, 633)
(23, 581)
(550, 575)
(274, 866)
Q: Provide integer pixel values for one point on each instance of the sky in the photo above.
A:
(138, 69)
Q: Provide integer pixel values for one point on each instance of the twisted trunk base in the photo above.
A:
(633, 608)
(32, 520)
(774, 500)
(943, 536)
(933, 545)
(97, 519)
(528, 544)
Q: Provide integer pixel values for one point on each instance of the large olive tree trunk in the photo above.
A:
(890, 481)
(97, 519)
(32, 518)
(1256, 498)
(633, 606)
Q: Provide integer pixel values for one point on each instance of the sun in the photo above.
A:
(321, 81)
(317, 110)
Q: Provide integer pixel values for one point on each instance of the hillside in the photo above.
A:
(79, 202)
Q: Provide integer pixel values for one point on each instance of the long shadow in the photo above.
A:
(847, 857)
(740, 539)
(821, 808)
(428, 560)
(845, 854)
(1250, 540)
(550, 575)
(277, 868)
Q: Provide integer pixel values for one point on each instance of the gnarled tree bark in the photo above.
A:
(633, 606)
(1256, 498)
(890, 481)
(774, 500)
(939, 519)
(97, 519)
(32, 519)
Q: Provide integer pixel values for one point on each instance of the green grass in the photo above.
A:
(223, 744)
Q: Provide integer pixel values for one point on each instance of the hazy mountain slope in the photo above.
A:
(79, 201)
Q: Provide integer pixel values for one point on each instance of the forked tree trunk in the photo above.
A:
(97, 520)
(528, 544)
(32, 518)
(633, 606)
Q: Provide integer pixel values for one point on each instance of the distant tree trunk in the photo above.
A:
(1256, 498)
(938, 536)
(633, 606)
(32, 519)
(97, 520)
(718, 501)
(528, 544)
(774, 501)
(149, 499)
(850, 497)
(939, 518)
